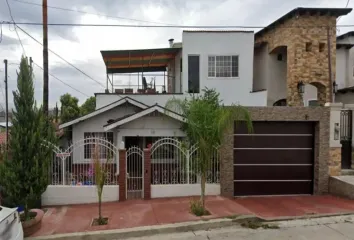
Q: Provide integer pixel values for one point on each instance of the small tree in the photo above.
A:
(100, 174)
(24, 174)
(88, 106)
(206, 123)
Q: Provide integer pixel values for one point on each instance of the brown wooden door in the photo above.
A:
(275, 159)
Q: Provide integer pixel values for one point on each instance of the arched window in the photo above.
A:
(281, 102)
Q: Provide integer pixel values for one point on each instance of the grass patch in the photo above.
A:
(197, 209)
(257, 223)
(233, 216)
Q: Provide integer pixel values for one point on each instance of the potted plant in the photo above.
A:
(24, 173)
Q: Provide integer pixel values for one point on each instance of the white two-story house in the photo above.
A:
(135, 113)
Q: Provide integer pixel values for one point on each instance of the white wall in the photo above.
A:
(334, 120)
(346, 74)
(270, 74)
(148, 99)
(342, 56)
(232, 90)
(65, 195)
(149, 126)
(309, 94)
(183, 190)
(95, 124)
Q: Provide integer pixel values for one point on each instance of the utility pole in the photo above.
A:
(7, 108)
(45, 58)
(330, 63)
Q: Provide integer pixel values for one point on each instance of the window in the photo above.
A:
(223, 66)
(313, 103)
(280, 57)
(308, 47)
(89, 146)
(322, 47)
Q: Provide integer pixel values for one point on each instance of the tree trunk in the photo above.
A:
(99, 206)
(202, 196)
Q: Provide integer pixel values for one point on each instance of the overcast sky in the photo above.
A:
(81, 45)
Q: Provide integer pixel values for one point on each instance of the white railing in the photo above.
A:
(174, 163)
(67, 167)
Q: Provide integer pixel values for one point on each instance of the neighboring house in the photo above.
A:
(294, 49)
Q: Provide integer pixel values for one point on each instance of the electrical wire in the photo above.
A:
(18, 36)
(346, 5)
(164, 26)
(61, 81)
(56, 54)
(97, 14)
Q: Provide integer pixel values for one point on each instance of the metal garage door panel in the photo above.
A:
(270, 127)
(273, 156)
(278, 141)
(272, 188)
(275, 172)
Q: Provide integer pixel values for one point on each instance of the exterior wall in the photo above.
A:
(151, 126)
(178, 74)
(95, 124)
(232, 90)
(349, 56)
(66, 195)
(183, 190)
(289, 34)
(270, 73)
(346, 98)
(309, 94)
(341, 68)
(319, 115)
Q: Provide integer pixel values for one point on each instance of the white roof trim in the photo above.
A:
(143, 113)
(104, 109)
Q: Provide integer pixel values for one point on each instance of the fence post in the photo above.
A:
(122, 178)
(147, 173)
(63, 170)
(187, 161)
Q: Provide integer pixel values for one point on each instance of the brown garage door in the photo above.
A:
(276, 159)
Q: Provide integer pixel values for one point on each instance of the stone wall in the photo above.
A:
(309, 65)
(319, 115)
(334, 163)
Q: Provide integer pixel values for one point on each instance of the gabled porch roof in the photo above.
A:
(104, 109)
(120, 121)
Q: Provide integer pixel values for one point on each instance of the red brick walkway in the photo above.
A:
(130, 214)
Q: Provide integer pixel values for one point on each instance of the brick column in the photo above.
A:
(122, 174)
(147, 173)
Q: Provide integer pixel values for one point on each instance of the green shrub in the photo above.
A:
(197, 208)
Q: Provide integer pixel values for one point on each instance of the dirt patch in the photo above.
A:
(99, 222)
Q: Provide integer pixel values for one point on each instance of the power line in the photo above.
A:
(346, 5)
(97, 14)
(164, 26)
(56, 54)
(18, 36)
(62, 81)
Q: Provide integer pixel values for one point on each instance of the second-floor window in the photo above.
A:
(223, 66)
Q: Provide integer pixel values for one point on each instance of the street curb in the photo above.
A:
(146, 230)
(305, 217)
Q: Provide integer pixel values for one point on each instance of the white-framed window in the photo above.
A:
(223, 66)
(89, 146)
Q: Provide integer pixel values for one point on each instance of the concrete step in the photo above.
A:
(342, 186)
(347, 172)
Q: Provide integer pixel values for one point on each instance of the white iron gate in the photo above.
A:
(135, 173)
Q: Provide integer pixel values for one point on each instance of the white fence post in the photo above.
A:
(63, 173)
(187, 161)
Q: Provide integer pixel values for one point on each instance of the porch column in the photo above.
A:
(147, 173)
(122, 174)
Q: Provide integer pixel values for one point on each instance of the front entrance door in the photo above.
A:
(135, 169)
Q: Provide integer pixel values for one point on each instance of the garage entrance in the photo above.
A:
(276, 159)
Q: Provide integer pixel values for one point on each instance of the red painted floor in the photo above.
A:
(130, 214)
(292, 206)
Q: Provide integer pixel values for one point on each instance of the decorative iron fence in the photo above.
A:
(70, 167)
(173, 163)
